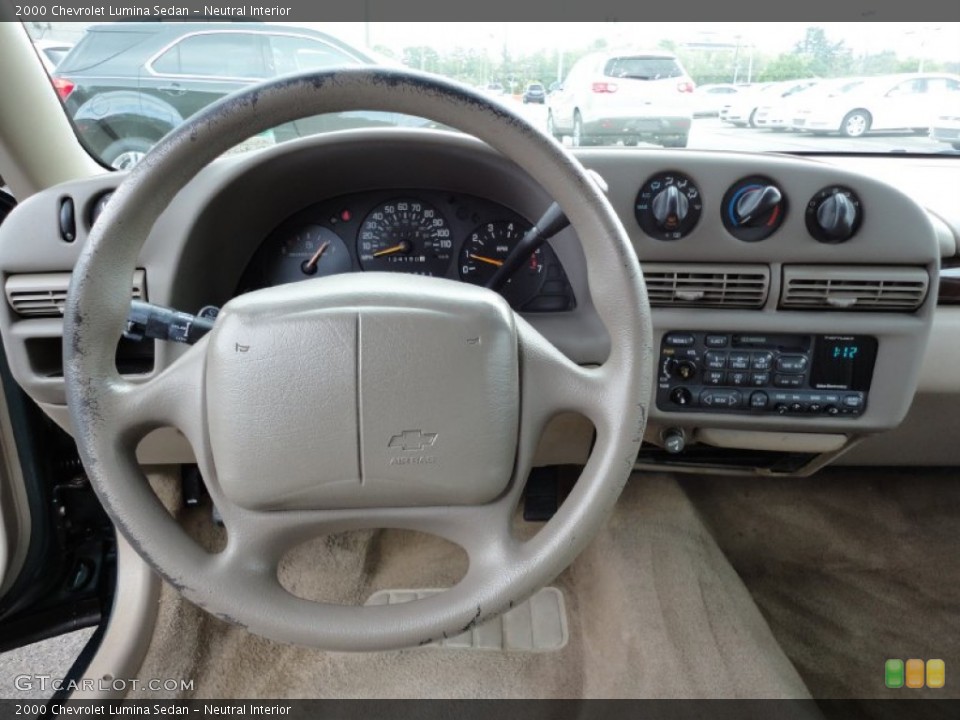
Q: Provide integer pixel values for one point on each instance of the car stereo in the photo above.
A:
(804, 375)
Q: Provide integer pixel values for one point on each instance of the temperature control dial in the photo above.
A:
(668, 206)
(833, 215)
(753, 209)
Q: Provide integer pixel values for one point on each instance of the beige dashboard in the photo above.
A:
(718, 278)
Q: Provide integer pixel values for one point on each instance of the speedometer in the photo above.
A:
(405, 235)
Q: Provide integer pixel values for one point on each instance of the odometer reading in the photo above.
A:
(405, 235)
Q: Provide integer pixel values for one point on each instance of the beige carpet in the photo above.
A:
(654, 610)
(850, 567)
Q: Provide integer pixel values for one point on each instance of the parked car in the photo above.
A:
(126, 85)
(624, 96)
(51, 52)
(891, 102)
(708, 100)
(742, 110)
(946, 128)
(778, 114)
(535, 93)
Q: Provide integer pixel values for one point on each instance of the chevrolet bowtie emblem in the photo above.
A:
(412, 440)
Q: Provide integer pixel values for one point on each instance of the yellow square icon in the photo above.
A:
(914, 673)
(936, 673)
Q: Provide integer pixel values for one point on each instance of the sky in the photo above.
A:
(938, 41)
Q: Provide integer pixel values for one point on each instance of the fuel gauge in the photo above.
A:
(311, 251)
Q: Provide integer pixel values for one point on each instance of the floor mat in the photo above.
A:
(654, 610)
(851, 568)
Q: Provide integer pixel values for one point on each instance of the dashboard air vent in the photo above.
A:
(44, 294)
(688, 285)
(818, 287)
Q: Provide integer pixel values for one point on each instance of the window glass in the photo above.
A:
(227, 55)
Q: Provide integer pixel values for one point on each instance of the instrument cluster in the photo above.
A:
(422, 232)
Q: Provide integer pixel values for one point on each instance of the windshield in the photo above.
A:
(779, 87)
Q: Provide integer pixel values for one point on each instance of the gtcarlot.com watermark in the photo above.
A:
(46, 683)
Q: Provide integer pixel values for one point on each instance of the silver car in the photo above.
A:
(627, 97)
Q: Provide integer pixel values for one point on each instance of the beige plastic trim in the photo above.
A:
(14, 511)
(775, 441)
(130, 628)
(38, 148)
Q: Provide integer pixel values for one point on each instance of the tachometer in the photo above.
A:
(485, 250)
(405, 235)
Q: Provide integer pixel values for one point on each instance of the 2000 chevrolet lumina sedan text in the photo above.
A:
(462, 408)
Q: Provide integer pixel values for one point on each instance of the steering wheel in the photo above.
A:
(289, 453)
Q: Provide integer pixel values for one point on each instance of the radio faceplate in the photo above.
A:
(758, 373)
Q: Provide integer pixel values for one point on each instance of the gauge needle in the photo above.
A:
(310, 265)
(489, 261)
(402, 246)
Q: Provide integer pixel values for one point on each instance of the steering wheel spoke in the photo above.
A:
(172, 398)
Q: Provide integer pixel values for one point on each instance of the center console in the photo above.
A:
(749, 373)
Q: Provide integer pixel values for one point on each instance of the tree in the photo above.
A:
(824, 58)
(786, 67)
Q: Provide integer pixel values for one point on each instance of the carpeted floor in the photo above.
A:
(654, 610)
(850, 567)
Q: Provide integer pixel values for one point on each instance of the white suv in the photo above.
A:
(624, 96)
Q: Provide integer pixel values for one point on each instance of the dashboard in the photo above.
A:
(793, 299)
(416, 231)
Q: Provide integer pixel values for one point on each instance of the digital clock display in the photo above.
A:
(843, 362)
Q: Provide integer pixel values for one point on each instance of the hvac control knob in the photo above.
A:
(753, 209)
(833, 215)
(669, 208)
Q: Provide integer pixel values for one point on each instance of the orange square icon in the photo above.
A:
(915, 672)
(936, 673)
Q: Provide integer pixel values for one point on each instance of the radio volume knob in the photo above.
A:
(684, 369)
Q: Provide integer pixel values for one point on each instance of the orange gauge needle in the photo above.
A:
(489, 261)
(402, 246)
(310, 266)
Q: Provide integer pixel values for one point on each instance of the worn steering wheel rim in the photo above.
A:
(110, 414)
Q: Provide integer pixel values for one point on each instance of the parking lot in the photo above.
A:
(712, 134)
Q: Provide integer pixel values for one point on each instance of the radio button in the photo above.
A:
(760, 379)
(782, 408)
(739, 379)
(762, 361)
(831, 410)
(853, 401)
(815, 407)
(739, 361)
(788, 381)
(714, 377)
(720, 398)
(679, 340)
(681, 396)
(759, 401)
(791, 363)
(715, 361)
(716, 341)
(797, 407)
